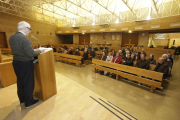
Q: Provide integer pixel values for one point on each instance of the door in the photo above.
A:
(130, 39)
(84, 39)
(3, 41)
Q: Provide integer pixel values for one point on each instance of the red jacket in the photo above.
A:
(118, 60)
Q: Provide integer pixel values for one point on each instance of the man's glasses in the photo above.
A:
(28, 28)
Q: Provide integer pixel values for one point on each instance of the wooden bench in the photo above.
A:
(7, 74)
(68, 58)
(124, 71)
(6, 50)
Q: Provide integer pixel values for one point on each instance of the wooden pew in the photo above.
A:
(122, 70)
(7, 74)
(68, 58)
(6, 50)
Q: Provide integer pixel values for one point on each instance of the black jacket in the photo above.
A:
(92, 54)
(143, 64)
(85, 56)
(163, 68)
(128, 62)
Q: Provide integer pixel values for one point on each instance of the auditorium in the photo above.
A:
(89, 59)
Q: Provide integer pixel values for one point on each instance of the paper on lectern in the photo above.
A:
(46, 49)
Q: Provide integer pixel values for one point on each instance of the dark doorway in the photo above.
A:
(3, 41)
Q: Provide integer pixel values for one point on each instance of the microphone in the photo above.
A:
(36, 39)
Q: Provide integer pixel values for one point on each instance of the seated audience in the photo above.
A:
(151, 46)
(103, 56)
(85, 56)
(170, 58)
(166, 60)
(162, 67)
(121, 54)
(143, 63)
(136, 57)
(95, 48)
(77, 53)
(92, 54)
(113, 53)
(151, 59)
(110, 49)
(143, 52)
(117, 59)
(104, 50)
(54, 49)
(78, 48)
(70, 51)
(128, 60)
(109, 57)
(101, 48)
(134, 52)
(64, 51)
(82, 49)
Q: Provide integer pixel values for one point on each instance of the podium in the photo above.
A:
(44, 73)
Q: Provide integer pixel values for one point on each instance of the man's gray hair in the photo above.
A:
(165, 55)
(161, 58)
(23, 24)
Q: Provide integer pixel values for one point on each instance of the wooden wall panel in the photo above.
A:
(131, 38)
(84, 39)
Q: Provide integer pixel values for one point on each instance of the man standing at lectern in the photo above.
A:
(23, 63)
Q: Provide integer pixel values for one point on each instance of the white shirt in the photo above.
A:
(22, 32)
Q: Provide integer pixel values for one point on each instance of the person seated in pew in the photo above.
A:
(92, 54)
(64, 51)
(136, 57)
(113, 53)
(82, 49)
(104, 50)
(70, 51)
(110, 49)
(143, 52)
(132, 49)
(54, 49)
(166, 60)
(143, 63)
(85, 56)
(151, 59)
(134, 52)
(162, 67)
(170, 58)
(109, 57)
(169, 52)
(77, 53)
(60, 49)
(103, 56)
(123, 50)
(118, 60)
(95, 48)
(128, 60)
(101, 48)
(151, 46)
(121, 54)
(78, 48)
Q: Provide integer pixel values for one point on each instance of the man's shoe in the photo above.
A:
(34, 102)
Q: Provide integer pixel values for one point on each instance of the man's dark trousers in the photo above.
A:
(24, 71)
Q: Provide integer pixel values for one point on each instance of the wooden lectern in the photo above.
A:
(45, 80)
